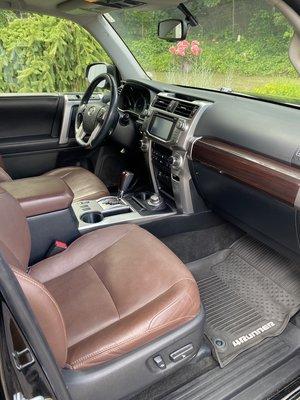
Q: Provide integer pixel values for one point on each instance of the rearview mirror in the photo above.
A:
(172, 30)
(94, 70)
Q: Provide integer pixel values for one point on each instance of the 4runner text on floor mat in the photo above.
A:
(253, 334)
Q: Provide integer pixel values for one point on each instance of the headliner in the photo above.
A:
(76, 8)
(81, 6)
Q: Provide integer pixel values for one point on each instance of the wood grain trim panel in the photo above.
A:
(260, 172)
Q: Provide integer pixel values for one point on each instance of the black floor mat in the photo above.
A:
(257, 374)
(250, 292)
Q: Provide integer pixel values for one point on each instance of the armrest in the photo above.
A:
(40, 195)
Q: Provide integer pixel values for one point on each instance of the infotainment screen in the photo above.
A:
(161, 127)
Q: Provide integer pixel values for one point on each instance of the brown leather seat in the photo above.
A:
(112, 291)
(83, 183)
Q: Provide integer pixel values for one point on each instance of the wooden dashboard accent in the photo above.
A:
(260, 172)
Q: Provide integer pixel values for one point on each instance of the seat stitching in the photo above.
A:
(149, 329)
(117, 240)
(170, 305)
(166, 308)
(97, 192)
(30, 280)
(98, 352)
(65, 174)
(48, 294)
(160, 294)
(72, 246)
(90, 263)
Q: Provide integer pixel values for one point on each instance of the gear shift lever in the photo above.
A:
(125, 181)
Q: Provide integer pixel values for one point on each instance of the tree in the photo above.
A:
(42, 53)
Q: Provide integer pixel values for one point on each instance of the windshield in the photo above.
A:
(239, 45)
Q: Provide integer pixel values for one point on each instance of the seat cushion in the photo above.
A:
(117, 288)
(83, 183)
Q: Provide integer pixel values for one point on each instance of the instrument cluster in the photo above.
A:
(134, 99)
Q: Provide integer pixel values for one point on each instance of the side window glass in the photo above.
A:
(40, 53)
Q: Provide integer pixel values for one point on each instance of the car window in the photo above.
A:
(44, 54)
(240, 45)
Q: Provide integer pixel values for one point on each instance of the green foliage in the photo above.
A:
(286, 90)
(245, 46)
(257, 46)
(247, 57)
(45, 54)
(211, 3)
(263, 22)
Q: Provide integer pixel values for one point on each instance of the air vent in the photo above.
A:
(163, 103)
(186, 110)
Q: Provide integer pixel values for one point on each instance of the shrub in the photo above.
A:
(44, 54)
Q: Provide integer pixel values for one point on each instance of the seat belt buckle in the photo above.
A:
(56, 248)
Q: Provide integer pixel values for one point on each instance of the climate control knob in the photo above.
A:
(175, 160)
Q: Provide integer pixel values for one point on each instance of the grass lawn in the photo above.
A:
(276, 86)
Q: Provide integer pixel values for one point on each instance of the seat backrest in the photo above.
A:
(47, 313)
(15, 242)
(15, 246)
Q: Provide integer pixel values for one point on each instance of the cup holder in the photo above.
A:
(92, 217)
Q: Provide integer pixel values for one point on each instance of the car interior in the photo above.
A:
(150, 235)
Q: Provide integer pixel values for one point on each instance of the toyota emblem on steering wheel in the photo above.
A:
(91, 110)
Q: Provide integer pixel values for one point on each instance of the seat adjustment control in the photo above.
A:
(182, 353)
(158, 360)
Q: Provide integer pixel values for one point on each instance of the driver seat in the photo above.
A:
(84, 184)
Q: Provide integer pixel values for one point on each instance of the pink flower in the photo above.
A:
(180, 51)
(172, 49)
(196, 50)
(184, 43)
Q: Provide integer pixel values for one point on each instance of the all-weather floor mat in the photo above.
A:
(249, 292)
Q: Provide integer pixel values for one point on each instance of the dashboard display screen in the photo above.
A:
(161, 127)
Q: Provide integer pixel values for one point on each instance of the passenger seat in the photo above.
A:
(116, 301)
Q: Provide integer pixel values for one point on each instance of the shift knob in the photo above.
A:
(125, 181)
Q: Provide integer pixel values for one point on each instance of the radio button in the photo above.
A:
(181, 125)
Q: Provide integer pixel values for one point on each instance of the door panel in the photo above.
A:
(30, 131)
(25, 165)
(30, 117)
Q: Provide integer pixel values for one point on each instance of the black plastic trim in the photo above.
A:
(45, 229)
(256, 374)
(132, 373)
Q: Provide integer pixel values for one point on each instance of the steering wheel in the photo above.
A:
(94, 122)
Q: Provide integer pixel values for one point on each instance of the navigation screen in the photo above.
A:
(161, 127)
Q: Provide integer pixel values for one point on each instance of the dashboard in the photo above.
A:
(241, 154)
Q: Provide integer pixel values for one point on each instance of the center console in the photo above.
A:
(111, 210)
(168, 131)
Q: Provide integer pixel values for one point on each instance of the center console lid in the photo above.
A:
(40, 195)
